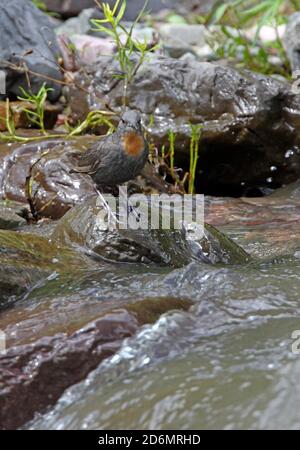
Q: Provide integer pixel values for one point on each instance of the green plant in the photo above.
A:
(37, 115)
(189, 177)
(10, 126)
(94, 119)
(194, 155)
(254, 54)
(243, 12)
(171, 137)
(42, 6)
(9, 120)
(166, 163)
(126, 46)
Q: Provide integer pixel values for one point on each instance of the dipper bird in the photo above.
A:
(119, 157)
(116, 158)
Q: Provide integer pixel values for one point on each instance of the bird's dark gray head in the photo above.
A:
(130, 119)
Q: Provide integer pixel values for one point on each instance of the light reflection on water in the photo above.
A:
(220, 365)
(228, 361)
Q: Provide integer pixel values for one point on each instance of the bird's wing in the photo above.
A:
(90, 161)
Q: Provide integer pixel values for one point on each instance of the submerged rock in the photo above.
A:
(27, 259)
(250, 138)
(265, 227)
(65, 359)
(28, 40)
(42, 370)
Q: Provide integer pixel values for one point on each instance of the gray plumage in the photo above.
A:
(108, 162)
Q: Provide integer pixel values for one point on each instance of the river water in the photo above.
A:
(228, 362)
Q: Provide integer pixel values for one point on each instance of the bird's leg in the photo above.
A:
(112, 217)
(130, 208)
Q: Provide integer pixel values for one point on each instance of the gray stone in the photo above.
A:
(69, 8)
(291, 40)
(28, 40)
(77, 25)
(178, 39)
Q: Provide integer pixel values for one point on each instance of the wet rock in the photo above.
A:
(250, 138)
(27, 259)
(265, 227)
(66, 357)
(28, 40)
(85, 225)
(43, 370)
(9, 215)
(62, 304)
(48, 162)
(44, 356)
(221, 248)
(20, 117)
(291, 40)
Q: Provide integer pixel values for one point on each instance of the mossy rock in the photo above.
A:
(26, 259)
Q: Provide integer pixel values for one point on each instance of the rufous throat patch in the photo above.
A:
(133, 144)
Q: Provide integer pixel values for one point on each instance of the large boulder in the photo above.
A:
(28, 40)
(250, 138)
(84, 226)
